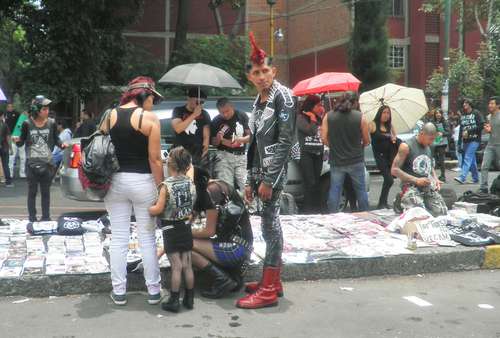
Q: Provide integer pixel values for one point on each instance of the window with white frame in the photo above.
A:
(396, 8)
(396, 58)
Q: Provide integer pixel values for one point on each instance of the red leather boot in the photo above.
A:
(266, 294)
(253, 286)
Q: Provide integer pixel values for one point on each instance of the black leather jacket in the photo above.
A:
(274, 137)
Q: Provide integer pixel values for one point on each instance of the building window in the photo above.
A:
(396, 8)
(396, 57)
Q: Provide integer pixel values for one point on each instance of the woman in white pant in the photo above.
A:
(135, 132)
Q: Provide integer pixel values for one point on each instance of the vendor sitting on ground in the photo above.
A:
(228, 220)
(413, 165)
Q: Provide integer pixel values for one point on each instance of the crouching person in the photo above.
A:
(223, 246)
(413, 165)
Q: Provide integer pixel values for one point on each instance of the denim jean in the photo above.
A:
(469, 162)
(491, 155)
(357, 174)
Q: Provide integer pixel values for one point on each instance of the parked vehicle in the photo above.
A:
(72, 188)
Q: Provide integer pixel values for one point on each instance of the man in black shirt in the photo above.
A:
(230, 133)
(191, 124)
(87, 126)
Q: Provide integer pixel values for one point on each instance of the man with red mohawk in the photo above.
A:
(273, 128)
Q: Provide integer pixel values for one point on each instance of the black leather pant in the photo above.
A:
(271, 229)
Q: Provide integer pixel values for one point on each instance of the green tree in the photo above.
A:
(71, 51)
(369, 44)
(12, 41)
(465, 76)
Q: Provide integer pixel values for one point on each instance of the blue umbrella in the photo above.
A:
(2, 96)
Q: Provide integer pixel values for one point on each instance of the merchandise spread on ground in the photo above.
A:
(308, 239)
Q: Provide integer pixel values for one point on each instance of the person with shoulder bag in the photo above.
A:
(135, 134)
(39, 134)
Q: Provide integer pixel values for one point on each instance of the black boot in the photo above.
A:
(188, 300)
(172, 304)
(222, 283)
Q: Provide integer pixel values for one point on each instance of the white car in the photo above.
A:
(72, 188)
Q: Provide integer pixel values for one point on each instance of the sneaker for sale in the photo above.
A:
(118, 299)
(154, 299)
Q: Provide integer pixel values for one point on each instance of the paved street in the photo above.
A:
(13, 200)
(458, 305)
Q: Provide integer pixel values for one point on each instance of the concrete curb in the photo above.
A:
(428, 260)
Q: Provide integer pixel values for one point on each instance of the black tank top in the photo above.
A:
(131, 145)
(381, 141)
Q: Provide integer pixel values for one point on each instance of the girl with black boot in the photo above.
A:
(175, 206)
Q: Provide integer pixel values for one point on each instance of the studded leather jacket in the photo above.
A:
(274, 137)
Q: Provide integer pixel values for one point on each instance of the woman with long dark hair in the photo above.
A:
(384, 145)
(311, 151)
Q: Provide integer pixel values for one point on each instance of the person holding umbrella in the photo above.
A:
(311, 150)
(191, 124)
(384, 146)
(273, 127)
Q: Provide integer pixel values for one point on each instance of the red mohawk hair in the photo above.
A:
(258, 55)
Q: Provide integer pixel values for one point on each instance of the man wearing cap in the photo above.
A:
(273, 127)
(191, 124)
(39, 134)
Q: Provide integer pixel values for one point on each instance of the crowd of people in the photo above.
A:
(31, 148)
(251, 161)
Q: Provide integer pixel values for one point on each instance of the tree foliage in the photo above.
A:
(465, 76)
(73, 50)
(369, 44)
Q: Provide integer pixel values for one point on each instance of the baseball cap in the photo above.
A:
(41, 100)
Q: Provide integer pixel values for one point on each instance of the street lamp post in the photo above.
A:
(446, 60)
(271, 3)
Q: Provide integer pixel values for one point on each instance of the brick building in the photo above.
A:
(316, 35)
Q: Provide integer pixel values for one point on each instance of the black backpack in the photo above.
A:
(495, 186)
(486, 203)
(99, 161)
